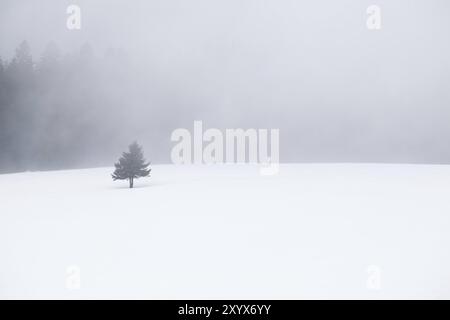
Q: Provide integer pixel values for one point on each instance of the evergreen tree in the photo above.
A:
(131, 165)
(21, 110)
(50, 59)
(21, 65)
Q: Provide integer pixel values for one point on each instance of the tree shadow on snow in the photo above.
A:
(137, 185)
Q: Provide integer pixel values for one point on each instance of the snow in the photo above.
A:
(225, 231)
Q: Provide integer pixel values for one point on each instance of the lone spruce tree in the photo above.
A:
(131, 165)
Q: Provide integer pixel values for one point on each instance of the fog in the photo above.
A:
(137, 70)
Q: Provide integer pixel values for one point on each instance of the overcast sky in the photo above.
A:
(336, 90)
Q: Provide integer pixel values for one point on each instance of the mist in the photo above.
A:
(138, 70)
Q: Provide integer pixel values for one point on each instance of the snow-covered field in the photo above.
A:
(224, 231)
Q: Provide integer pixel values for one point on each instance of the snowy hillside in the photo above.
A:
(312, 231)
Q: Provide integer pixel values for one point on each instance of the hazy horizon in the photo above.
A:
(337, 91)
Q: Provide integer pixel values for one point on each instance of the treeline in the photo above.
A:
(67, 110)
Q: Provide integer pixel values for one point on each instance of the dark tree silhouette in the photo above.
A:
(131, 165)
(21, 68)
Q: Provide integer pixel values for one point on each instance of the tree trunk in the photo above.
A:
(131, 183)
